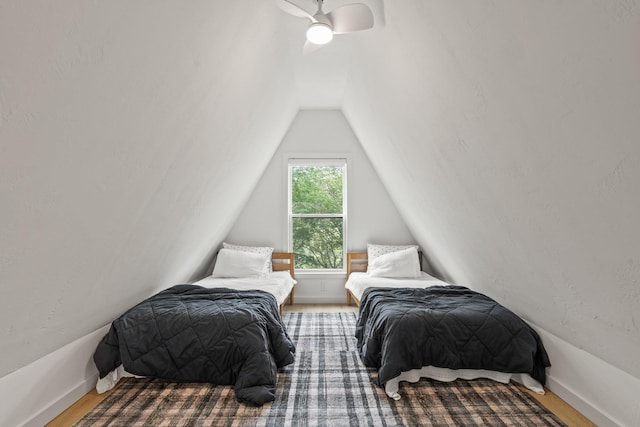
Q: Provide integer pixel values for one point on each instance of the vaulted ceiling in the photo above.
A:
(132, 134)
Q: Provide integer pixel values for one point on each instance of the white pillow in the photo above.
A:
(403, 263)
(252, 249)
(374, 251)
(230, 263)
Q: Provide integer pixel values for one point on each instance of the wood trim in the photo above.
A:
(284, 261)
(351, 297)
(356, 261)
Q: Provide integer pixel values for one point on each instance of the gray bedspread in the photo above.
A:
(444, 326)
(194, 334)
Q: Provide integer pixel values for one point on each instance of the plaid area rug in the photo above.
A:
(326, 386)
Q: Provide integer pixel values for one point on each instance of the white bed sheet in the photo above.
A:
(279, 283)
(358, 282)
(447, 375)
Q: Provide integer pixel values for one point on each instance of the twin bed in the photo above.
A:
(412, 325)
(226, 329)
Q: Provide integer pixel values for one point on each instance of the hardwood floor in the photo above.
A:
(551, 401)
(320, 308)
(78, 409)
(562, 409)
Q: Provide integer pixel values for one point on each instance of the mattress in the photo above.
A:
(279, 283)
(358, 282)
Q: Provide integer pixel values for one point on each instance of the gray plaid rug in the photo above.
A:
(326, 386)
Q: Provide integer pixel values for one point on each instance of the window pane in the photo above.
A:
(317, 242)
(316, 190)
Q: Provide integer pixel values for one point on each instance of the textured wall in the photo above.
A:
(131, 134)
(507, 134)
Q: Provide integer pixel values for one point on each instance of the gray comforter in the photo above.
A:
(194, 334)
(444, 326)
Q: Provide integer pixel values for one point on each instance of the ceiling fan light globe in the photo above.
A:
(319, 33)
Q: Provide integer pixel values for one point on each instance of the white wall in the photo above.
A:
(372, 216)
(519, 124)
(131, 135)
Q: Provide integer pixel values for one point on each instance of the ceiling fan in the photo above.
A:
(343, 19)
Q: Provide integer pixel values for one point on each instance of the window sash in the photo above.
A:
(318, 162)
(337, 162)
(317, 215)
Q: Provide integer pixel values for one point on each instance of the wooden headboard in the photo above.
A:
(283, 261)
(358, 261)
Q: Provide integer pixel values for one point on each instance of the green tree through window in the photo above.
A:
(316, 217)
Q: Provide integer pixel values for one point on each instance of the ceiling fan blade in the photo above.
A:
(349, 18)
(295, 10)
(310, 47)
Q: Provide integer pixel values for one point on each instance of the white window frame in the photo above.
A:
(339, 161)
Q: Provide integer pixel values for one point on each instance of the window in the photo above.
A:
(317, 213)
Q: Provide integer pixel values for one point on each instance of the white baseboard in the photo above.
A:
(324, 299)
(40, 391)
(603, 393)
